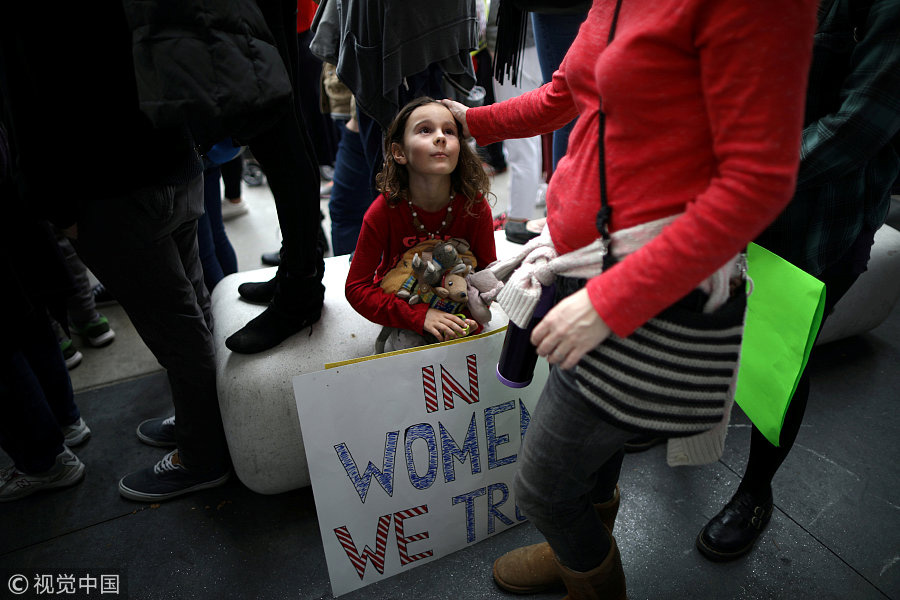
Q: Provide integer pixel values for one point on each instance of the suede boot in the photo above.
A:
(261, 292)
(297, 304)
(533, 569)
(605, 582)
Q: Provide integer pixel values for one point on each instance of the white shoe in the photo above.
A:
(76, 433)
(67, 470)
(231, 209)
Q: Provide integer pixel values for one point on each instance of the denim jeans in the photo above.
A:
(570, 459)
(35, 397)
(216, 252)
(553, 34)
(351, 193)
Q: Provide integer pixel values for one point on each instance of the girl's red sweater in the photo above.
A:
(704, 103)
(387, 232)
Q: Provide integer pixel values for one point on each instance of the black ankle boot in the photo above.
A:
(732, 532)
(296, 304)
(261, 292)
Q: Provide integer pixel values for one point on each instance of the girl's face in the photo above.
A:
(430, 142)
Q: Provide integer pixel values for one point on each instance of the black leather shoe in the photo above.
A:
(733, 531)
(517, 232)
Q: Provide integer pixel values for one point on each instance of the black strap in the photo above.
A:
(605, 212)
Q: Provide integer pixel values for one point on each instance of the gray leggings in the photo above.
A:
(570, 459)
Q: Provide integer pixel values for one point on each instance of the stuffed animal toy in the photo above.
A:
(401, 279)
(395, 278)
(482, 289)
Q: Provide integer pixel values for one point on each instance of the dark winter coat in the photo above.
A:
(212, 64)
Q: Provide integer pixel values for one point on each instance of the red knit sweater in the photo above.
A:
(387, 232)
(704, 104)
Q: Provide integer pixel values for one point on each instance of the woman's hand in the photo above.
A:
(445, 326)
(458, 111)
(570, 330)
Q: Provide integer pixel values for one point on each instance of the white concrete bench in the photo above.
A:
(256, 391)
(873, 296)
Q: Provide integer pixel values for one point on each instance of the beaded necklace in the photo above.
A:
(420, 227)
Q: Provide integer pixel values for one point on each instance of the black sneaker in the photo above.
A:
(732, 532)
(168, 479)
(70, 353)
(158, 432)
(102, 296)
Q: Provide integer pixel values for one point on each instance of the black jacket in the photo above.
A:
(210, 63)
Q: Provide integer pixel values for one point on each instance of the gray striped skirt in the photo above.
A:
(673, 375)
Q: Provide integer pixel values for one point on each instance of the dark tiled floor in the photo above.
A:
(835, 533)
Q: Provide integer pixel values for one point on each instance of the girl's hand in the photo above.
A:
(445, 326)
(570, 330)
(459, 113)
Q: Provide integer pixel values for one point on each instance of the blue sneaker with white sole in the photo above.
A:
(169, 479)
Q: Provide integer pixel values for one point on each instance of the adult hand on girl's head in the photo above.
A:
(458, 111)
(445, 326)
(570, 330)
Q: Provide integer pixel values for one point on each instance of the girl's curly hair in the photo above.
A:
(467, 178)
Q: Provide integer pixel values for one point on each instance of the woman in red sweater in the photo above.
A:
(432, 187)
(703, 101)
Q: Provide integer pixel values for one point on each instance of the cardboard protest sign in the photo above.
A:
(412, 455)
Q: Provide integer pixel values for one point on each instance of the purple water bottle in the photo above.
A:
(519, 356)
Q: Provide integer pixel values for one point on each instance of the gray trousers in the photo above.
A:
(143, 246)
(570, 459)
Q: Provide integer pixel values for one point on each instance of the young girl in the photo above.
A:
(432, 187)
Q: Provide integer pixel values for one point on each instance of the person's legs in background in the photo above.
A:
(154, 231)
(288, 158)
(734, 530)
(84, 319)
(233, 204)
(351, 192)
(216, 252)
(40, 418)
(523, 155)
(492, 154)
(553, 34)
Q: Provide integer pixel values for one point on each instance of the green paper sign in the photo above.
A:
(784, 311)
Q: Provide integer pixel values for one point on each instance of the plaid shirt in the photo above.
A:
(848, 161)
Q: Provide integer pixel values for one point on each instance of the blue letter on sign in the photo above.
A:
(425, 432)
(385, 477)
(493, 440)
(493, 511)
(450, 450)
(469, 499)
